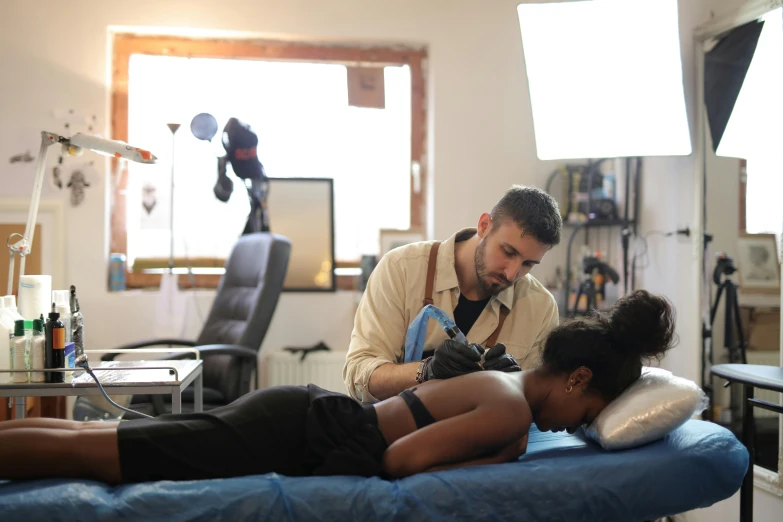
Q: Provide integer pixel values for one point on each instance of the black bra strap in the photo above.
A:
(421, 415)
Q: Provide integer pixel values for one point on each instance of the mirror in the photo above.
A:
(302, 209)
(739, 67)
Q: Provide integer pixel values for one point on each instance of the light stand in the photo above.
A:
(73, 146)
(173, 127)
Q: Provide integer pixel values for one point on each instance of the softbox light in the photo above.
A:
(742, 85)
(605, 78)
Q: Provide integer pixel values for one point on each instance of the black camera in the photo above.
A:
(724, 266)
(590, 263)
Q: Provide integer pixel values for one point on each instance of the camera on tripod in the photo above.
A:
(593, 286)
(591, 265)
(723, 266)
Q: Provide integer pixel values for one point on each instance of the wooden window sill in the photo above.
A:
(136, 281)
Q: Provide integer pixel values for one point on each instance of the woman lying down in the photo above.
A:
(479, 418)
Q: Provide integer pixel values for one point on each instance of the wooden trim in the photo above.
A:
(151, 263)
(418, 142)
(743, 194)
(125, 45)
(347, 264)
(118, 240)
(135, 281)
(349, 283)
(350, 54)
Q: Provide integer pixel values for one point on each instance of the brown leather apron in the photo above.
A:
(428, 295)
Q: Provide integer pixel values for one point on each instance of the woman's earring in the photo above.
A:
(569, 389)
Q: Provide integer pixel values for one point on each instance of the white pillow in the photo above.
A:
(648, 410)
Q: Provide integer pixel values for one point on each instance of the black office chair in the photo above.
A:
(235, 327)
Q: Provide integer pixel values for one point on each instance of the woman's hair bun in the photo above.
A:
(632, 329)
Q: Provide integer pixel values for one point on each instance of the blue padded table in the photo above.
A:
(561, 477)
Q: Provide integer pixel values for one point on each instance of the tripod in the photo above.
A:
(592, 267)
(734, 344)
(587, 288)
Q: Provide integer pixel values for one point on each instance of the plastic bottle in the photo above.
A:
(8, 317)
(38, 352)
(77, 323)
(10, 309)
(6, 333)
(62, 303)
(19, 353)
(55, 347)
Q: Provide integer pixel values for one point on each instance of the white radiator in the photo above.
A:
(324, 369)
(770, 358)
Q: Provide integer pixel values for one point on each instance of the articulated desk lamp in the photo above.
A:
(73, 146)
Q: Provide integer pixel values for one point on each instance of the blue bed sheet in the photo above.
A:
(562, 477)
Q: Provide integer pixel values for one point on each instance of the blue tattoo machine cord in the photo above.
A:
(81, 362)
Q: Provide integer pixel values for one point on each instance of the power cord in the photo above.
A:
(81, 362)
(643, 239)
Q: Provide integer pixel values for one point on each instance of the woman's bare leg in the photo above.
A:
(45, 422)
(49, 448)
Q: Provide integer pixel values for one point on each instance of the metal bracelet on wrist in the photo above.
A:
(420, 373)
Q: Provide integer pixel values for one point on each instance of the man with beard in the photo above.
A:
(480, 276)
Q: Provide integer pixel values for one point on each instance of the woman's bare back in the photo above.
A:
(445, 399)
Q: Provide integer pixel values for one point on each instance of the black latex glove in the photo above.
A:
(497, 359)
(452, 359)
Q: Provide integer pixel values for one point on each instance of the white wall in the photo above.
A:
(55, 56)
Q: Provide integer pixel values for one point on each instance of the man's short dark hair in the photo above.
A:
(532, 210)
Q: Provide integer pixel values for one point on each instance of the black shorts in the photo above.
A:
(290, 430)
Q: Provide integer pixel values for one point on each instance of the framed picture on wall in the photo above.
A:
(393, 238)
(758, 264)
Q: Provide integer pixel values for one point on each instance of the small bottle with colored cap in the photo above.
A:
(55, 346)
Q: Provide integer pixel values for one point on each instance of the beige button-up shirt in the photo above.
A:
(394, 296)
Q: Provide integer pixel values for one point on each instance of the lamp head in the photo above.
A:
(114, 148)
(72, 150)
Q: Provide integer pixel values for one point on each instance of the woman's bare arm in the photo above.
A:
(508, 454)
(458, 440)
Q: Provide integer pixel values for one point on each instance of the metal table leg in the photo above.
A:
(19, 406)
(176, 400)
(748, 438)
(198, 397)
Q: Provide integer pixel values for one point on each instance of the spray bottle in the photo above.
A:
(77, 324)
(62, 307)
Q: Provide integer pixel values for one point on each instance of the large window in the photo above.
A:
(295, 98)
(763, 187)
